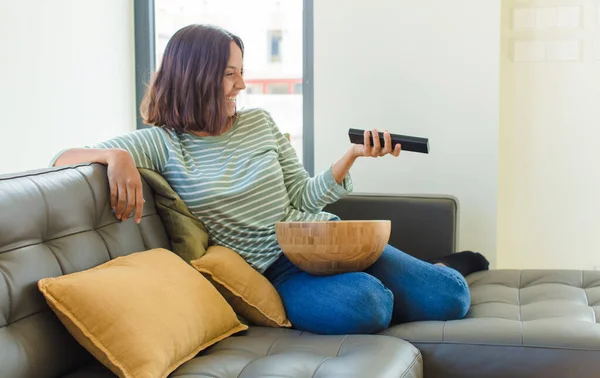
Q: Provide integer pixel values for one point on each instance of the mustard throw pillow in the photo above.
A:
(141, 315)
(189, 238)
(249, 293)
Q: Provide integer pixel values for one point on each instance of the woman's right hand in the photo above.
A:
(125, 185)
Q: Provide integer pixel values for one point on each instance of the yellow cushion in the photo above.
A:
(249, 293)
(141, 315)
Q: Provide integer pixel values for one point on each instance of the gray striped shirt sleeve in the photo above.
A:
(146, 146)
(307, 193)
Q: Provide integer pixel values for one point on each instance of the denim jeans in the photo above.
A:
(397, 288)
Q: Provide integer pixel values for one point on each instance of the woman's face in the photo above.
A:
(233, 81)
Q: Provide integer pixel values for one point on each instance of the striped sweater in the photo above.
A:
(238, 184)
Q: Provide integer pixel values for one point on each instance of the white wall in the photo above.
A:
(66, 74)
(550, 137)
(427, 68)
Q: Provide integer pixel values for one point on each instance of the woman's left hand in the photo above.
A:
(376, 150)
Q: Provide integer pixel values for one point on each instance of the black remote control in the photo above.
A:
(409, 143)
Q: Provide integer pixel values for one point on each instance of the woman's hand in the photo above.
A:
(341, 167)
(376, 150)
(125, 185)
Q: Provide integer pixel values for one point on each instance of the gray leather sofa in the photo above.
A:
(521, 324)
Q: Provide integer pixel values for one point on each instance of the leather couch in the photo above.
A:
(521, 323)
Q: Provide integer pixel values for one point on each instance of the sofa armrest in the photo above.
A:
(422, 226)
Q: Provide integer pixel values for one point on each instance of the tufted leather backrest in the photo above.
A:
(55, 222)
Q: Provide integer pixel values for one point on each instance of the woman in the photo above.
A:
(239, 175)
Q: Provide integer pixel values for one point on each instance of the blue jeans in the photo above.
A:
(397, 288)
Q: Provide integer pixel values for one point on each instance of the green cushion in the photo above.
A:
(189, 238)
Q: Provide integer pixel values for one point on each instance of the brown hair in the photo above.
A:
(186, 93)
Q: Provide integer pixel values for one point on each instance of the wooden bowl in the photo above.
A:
(331, 247)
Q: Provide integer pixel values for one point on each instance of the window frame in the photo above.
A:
(145, 64)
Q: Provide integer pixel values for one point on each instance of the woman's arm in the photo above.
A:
(123, 156)
(313, 194)
(125, 182)
(310, 194)
(147, 149)
(84, 155)
(341, 168)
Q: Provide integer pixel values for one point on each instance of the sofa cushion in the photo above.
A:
(521, 324)
(189, 238)
(141, 315)
(249, 293)
(424, 226)
(298, 355)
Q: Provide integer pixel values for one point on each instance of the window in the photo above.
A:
(274, 46)
(273, 70)
(298, 88)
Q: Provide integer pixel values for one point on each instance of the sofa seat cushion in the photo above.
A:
(280, 352)
(521, 324)
(307, 356)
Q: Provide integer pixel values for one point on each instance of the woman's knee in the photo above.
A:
(351, 303)
(457, 297)
(371, 305)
